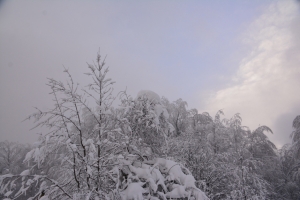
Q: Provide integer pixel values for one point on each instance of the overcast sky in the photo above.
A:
(236, 55)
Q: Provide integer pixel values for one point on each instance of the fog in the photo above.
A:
(240, 56)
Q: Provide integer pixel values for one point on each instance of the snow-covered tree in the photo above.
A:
(77, 142)
(95, 151)
(147, 120)
(11, 157)
(178, 114)
(296, 136)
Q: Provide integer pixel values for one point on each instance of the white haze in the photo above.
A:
(265, 89)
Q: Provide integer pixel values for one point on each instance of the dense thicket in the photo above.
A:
(145, 148)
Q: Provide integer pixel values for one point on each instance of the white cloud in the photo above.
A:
(266, 85)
